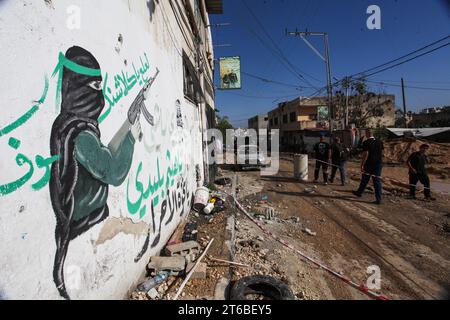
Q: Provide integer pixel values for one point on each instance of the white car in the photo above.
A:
(249, 157)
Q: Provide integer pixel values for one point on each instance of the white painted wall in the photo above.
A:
(100, 263)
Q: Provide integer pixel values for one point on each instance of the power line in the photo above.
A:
(409, 87)
(364, 76)
(406, 61)
(276, 49)
(402, 57)
(274, 81)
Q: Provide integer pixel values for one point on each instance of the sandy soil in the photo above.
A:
(406, 239)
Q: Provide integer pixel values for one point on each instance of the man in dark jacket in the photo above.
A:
(322, 152)
(371, 166)
(338, 159)
(418, 172)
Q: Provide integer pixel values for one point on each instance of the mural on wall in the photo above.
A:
(81, 176)
(79, 169)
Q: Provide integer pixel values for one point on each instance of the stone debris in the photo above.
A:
(200, 272)
(309, 232)
(175, 265)
(153, 294)
(183, 249)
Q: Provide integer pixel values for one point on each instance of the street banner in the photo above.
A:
(230, 73)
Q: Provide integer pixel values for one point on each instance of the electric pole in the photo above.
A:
(328, 66)
(405, 115)
(347, 88)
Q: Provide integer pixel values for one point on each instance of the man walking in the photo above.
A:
(322, 152)
(338, 159)
(371, 166)
(418, 172)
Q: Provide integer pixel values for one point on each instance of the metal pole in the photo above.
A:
(405, 116)
(347, 88)
(329, 85)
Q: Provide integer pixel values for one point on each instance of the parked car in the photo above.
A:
(249, 157)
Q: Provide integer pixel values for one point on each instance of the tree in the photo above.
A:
(363, 104)
(223, 124)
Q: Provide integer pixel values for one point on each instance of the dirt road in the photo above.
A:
(407, 240)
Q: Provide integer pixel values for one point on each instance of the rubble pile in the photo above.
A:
(398, 151)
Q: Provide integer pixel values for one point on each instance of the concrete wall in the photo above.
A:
(105, 249)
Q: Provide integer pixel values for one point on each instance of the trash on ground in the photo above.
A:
(223, 182)
(174, 265)
(152, 282)
(188, 235)
(261, 288)
(309, 232)
(201, 199)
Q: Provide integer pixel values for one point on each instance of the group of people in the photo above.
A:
(336, 155)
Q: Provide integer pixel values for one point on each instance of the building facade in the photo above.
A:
(259, 122)
(298, 120)
(85, 196)
(303, 120)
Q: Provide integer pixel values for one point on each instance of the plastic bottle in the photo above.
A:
(209, 208)
(151, 283)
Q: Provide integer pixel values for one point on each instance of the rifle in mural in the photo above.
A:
(138, 105)
(136, 109)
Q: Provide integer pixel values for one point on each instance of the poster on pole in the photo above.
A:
(230, 73)
(323, 114)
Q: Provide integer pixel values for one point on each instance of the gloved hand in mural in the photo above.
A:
(80, 179)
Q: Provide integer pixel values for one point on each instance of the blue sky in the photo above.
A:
(406, 26)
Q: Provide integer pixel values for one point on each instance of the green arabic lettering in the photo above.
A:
(41, 164)
(133, 208)
(15, 185)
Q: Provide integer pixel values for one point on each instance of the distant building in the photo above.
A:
(303, 120)
(437, 118)
(259, 122)
(297, 119)
(369, 111)
(400, 119)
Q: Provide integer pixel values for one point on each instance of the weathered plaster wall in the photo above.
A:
(131, 40)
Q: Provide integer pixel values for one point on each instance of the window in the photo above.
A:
(276, 121)
(271, 122)
(292, 117)
(285, 119)
(191, 84)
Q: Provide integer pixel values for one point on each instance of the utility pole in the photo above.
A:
(405, 115)
(347, 88)
(328, 66)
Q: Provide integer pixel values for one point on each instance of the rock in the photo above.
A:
(175, 264)
(153, 294)
(309, 232)
(200, 272)
(220, 290)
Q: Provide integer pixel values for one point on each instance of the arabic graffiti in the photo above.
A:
(124, 84)
(84, 170)
(171, 190)
(21, 161)
(156, 190)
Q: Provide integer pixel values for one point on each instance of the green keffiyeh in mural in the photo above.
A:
(63, 62)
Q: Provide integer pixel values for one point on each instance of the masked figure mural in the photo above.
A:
(80, 179)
